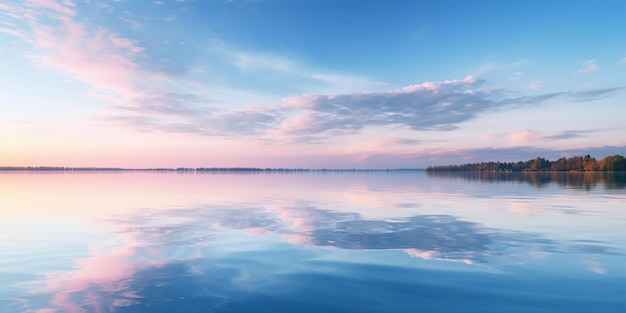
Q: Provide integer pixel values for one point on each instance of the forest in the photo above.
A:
(577, 163)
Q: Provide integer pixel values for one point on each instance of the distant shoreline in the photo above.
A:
(187, 169)
(587, 163)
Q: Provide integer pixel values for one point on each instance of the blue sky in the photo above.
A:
(338, 84)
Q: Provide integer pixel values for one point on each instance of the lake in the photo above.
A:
(385, 241)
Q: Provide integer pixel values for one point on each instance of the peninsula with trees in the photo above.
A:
(587, 163)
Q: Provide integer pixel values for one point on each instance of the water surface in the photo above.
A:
(403, 241)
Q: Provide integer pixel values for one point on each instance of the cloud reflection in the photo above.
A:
(179, 259)
(438, 236)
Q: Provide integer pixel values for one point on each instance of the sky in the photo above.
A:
(309, 84)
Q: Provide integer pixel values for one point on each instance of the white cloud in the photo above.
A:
(501, 67)
(516, 76)
(590, 66)
(535, 84)
(292, 71)
(622, 61)
(257, 61)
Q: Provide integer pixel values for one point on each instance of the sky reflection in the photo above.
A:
(373, 242)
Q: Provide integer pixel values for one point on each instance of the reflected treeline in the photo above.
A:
(580, 180)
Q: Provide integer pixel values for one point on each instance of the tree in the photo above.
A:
(539, 164)
(590, 164)
(613, 163)
(575, 163)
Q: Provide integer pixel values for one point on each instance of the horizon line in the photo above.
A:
(195, 169)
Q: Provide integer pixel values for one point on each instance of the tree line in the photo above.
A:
(577, 163)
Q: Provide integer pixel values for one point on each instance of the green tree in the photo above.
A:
(613, 163)
(538, 164)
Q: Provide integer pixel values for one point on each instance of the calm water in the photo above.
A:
(334, 242)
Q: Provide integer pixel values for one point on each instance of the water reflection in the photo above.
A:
(179, 260)
(439, 236)
(367, 244)
(579, 180)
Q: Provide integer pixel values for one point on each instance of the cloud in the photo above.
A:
(361, 150)
(532, 99)
(622, 61)
(501, 67)
(114, 68)
(426, 106)
(292, 71)
(569, 134)
(590, 66)
(248, 61)
(429, 106)
(421, 107)
(524, 137)
(594, 94)
(95, 56)
(535, 84)
(250, 121)
(64, 8)
(516, 76)
(529, 137)
(168, 103)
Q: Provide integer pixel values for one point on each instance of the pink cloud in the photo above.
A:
(300, 102)
(122, 42)
(419, 87)
(435, 86)
(92, 55)
(298, 123)
(14, 32)
(63, 7)
(523, 137)
(96, 59)
(111, 66)
(470, 80)
(375, 144)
